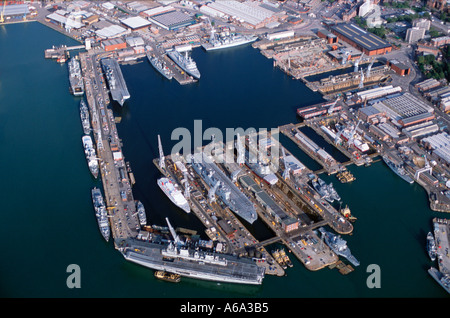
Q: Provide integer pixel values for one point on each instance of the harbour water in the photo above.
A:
(48, 220)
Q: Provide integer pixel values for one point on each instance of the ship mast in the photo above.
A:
(162, 164)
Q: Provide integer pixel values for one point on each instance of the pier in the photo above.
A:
(116, 185)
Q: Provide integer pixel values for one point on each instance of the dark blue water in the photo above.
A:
(48, 221)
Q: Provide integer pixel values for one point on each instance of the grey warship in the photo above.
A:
(75, 77)
(338, 245)
(175, 257)
(116, 82)
(228, 192)
(84, 114)
(160, 66)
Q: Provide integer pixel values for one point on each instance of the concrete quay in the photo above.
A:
(116, 184)
(442, 238)
(309, 147)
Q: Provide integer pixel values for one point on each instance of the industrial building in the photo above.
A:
(404, 109)
(376, 93)
(440, 144)
(398, 67)
(172, 20)
(111, 31)
(280, 35)
(135, 23)
(368, 43)
(420, 130)
(249, 13)
(14, 11)
(156, 11)
(114, 44)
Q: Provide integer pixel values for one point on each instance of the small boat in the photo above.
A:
(169, 277)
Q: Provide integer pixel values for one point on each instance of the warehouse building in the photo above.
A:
(114, 44)
(368, 43)
(172, 20)
(404, 109)
(250, 14)
(135, 23)
(440, 144)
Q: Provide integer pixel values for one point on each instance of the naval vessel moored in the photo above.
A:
(193, 263)
(116, 82)
(228, 192)
(75, 77)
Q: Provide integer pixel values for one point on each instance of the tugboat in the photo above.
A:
(285, 258)
(347, 214)
(168, 277)
(279, 259)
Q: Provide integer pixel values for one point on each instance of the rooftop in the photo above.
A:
(361, 37)
(135, 22)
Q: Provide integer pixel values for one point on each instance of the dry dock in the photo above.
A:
(291, 209)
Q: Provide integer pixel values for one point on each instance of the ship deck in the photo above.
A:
(237, 270)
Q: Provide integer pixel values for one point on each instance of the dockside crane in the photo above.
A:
(350, 139)
(331, 108)
(357, 63)
(3, 12)
(286, 166)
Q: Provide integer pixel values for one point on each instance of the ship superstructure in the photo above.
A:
(141, 213)
(228, 192)
(160, 66)
(116, 82)
(398, 169)
(338, 245)
(326, 191)
(101, 213)
(260, 168)
(185, 62)
(170, 188)
(431, 246)
(91, 156)
(84, 114)
(75, 77)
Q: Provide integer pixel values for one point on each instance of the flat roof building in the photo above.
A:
(250, 13)
(172, 20)
(368, 43)
(135, 23)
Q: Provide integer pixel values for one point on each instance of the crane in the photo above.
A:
(369, 68)
(361, 82)
(3, 12)
(357, 63)
(286, 167)
(162, 164)
(330, 110)
(350, 139)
